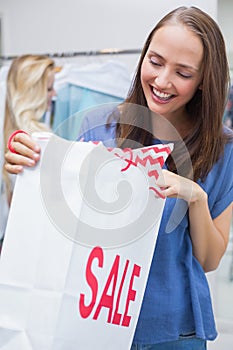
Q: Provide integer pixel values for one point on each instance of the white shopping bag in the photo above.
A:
(79, 242)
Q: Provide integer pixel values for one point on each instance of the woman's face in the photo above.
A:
(50, 89)
(171, 70)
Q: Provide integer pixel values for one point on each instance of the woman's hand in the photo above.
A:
(173, 185)
(28, 154)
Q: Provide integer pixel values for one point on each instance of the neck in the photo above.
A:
(171, 128)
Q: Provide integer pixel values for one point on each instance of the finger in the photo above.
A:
(170, 192)
(17, 159)
(13, 169)
(25, 150)
(27, 141)
(157, 192)
(163, 178)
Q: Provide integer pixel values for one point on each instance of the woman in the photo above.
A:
(29, 93)
(183, 76)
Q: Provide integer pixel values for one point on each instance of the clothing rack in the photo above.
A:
(109, 51)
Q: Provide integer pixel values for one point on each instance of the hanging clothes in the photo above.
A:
(80, 88)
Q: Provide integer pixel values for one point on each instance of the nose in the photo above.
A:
(163, 80)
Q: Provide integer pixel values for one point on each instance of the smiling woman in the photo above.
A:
(171, 73)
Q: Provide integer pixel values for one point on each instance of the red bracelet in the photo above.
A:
(11, 138)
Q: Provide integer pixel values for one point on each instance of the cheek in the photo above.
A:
(187, 89)
(145, 70)
(146, 75)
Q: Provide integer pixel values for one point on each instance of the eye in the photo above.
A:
(155, 61)
(185, 75)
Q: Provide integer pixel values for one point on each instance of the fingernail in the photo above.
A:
(37, 149)
(31, 162)
(36, 156)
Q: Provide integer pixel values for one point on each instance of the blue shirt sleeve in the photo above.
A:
(219, 183)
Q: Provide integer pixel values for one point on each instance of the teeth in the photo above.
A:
(163, 95)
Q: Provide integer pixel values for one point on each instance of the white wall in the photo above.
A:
(41, 26)
(225, 19)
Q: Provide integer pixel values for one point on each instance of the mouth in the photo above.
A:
(161, 96)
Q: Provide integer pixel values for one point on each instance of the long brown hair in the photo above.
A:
(206, 140)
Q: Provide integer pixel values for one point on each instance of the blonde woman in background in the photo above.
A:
(29, 93)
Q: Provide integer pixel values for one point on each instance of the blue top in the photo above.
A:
(177, 298)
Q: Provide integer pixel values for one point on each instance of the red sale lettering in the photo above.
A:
(107, 300)
(117, 316)
(131, 295)
(111, 297)
(96, 253)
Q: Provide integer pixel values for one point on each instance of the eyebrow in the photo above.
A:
(178, 64)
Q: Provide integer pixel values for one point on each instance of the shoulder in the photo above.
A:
(228, 149)
(219, 182)
(225, 162)
(99, 123)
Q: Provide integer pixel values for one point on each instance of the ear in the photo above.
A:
(200, 86)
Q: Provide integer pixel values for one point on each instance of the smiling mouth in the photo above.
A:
(163, 96)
